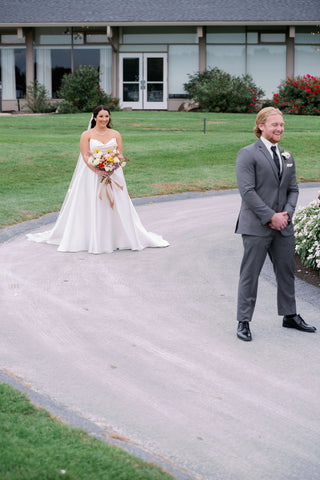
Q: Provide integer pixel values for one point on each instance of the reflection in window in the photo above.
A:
(20, 71)
(60, 64)
(131, 69)
(162, 35)
(273, 37)
(155, 69)
(183, 60)
(228, 58)
(306, 60)
(13, 73)
(84, 56)
(130, 92)
(308, 35)
(155, 92)
(226, 35)
(267, 66)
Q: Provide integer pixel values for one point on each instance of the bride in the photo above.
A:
(98, 217)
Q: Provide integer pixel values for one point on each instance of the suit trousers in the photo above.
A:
(281, 251)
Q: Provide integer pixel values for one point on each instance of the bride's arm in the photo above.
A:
(119, 142)
(85, 152)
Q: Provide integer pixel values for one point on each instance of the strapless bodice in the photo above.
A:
(103, 146)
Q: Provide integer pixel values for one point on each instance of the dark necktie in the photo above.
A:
(276, 159)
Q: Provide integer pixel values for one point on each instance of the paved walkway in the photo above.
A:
(140, 347)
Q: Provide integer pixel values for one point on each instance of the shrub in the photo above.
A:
(218, 91)
(307, 234)
(299, 96)
(81, 92)
(37, 99)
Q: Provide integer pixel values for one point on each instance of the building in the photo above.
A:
(145, 49)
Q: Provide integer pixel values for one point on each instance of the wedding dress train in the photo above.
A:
(89, 223)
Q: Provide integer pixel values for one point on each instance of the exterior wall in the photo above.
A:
(269, 54)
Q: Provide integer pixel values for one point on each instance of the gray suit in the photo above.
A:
(264, 194)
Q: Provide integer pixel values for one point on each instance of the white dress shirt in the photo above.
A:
(269, 145)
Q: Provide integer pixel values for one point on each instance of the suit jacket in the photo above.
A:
(262, 193)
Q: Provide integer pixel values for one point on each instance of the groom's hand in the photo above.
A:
(279, 221)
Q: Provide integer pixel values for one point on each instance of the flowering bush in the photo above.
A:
(307, 234)
(300, 95)
(218, 91)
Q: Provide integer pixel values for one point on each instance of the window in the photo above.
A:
(53, 36)
(53, 63)
(272, 37)
(307, 35)
(60, 64)
(229, 58)
(150, 35)
(307, 60)
(226, 35)
(10, 39)
(267, 66)
(183, 60)
(20, 72)
(13, 73)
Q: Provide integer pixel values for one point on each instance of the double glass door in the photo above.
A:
(143, 80)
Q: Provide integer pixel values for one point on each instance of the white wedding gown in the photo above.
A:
(88, 223)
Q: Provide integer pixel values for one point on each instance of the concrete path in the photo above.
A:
(142, 346)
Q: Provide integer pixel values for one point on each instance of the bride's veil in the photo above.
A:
(79, 168)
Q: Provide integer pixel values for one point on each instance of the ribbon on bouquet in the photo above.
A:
(109, 181)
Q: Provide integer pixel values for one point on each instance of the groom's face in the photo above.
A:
(273, 128)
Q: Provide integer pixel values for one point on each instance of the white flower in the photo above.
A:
(286, 155)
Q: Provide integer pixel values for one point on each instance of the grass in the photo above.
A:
(35, 446)
(169, 153)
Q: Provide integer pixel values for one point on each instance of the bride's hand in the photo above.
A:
(103, 174)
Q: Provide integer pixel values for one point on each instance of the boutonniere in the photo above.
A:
(285, 155)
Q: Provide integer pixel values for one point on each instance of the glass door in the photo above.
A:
(143, 81)
(130, 80)
(155, 91)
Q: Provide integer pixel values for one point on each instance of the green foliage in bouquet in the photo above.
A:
(37, 99)
(81, 92)
(307, 234)
(218, 91)
(299, 96)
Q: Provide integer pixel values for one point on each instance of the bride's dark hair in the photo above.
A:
(95, 113)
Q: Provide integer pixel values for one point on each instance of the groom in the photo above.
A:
(269, 191)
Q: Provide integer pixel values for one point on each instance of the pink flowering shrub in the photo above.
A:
(299, 96)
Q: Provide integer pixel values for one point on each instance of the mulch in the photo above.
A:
(307, 274)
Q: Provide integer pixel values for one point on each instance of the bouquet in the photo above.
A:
(108, 161)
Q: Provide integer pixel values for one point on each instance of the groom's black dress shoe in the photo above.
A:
(243, 331)
(298, 323)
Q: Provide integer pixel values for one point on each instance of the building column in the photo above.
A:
(115, 62)
(29, 56)
(201, 31)
(290, 52)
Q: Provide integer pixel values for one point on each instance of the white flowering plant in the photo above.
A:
(307, 234)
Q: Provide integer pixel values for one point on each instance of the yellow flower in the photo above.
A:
(96, 151)
(110, 159)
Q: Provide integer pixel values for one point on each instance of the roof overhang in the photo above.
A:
(161, 24)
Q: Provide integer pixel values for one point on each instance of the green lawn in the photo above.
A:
(35, 446)
(169, 153)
